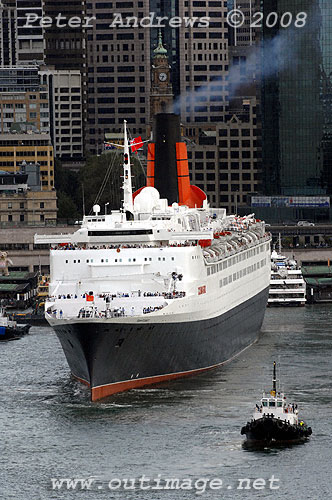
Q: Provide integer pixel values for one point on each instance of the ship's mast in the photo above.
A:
(274, 380)
(127, 187)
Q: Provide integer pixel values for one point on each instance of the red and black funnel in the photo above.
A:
(168, 169)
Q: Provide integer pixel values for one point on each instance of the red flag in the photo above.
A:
(136, 144)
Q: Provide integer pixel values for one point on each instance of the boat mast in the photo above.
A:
(274, 380)
(127, 186)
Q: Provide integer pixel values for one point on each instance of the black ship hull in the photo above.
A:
(269, 430)
(114, 357)
(12, 333)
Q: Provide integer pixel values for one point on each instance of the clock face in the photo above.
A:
(162, 77)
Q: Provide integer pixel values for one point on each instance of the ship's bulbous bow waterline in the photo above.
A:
(115, 357)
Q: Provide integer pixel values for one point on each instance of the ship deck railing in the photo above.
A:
(209, 259)
(176, 294)
(121, 246)
(110, 306)
(106, 312)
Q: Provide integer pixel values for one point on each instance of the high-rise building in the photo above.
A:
(8, 33)
(30, 36)
(31, 148)
(65, 48)
(203, 62)
(297, 103)
(24, 104)
(118, 71)
(66, 53)
(66, 115)
(240, 172)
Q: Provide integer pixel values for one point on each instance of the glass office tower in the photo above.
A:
(297, 100)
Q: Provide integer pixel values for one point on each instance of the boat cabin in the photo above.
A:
(275, 404)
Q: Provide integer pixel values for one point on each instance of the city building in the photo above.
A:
(25, 255)
(8, 27)
(247, 34)
(19, 79)
(66, 113)
(30, 39)
(24, 102)
(297, 102)
(203, 63)
(31, 148)
(223, 157)
(65, 48)
(119, 72)
(66, 53)
(241, 174)
(297, 108)
(20, 204)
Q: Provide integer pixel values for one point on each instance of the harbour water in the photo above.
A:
(188, 429)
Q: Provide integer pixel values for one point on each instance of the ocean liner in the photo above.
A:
(163, 288)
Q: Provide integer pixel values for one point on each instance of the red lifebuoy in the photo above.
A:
(118, 250)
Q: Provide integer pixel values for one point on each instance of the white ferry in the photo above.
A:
(287, 285)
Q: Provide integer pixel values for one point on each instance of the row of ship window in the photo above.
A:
(241, 274)
(146, 259)
(234, 260)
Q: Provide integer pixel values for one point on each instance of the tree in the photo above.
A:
(102, 178)
(67, 208)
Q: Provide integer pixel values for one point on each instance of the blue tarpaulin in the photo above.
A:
(2, 330)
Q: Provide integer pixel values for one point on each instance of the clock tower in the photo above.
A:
(161, 99)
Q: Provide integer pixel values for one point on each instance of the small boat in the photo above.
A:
(30, 318)
(10, 330)
(275, 421)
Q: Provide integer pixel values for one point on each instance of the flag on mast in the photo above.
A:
(136, 144)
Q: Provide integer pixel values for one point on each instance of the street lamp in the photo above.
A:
(106, 207)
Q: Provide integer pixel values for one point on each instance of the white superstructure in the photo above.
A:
(287, 286)
(156, 264)
(275, 404)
